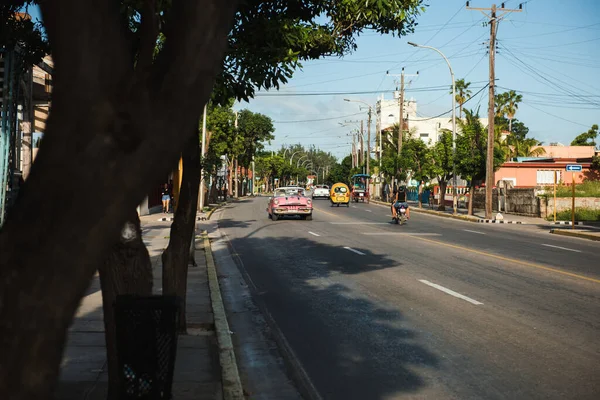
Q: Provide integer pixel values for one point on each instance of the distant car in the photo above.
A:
(321, 191)
(289, 201)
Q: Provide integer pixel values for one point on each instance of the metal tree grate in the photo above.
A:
(146, 345)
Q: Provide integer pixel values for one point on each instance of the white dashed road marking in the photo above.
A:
(314, 234)
(355, 251)
(468, 230)
(450, 292)
(562, 248)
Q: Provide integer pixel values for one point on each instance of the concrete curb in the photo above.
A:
(210, 213)
(170, 219)
(500, 221)
(581, 235)
(232, 384)
(565, 223)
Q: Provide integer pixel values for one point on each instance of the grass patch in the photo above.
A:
(581, 214)
(585, 189)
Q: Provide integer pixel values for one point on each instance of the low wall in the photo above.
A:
(520, 201)
(564, 203)
(525, 201)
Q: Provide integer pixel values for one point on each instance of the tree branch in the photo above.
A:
(148, 37)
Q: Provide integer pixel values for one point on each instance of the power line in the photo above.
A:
(551, 33)
(555, 116)
(555, 83)
(457, 107)
(318, 120)
(341, 93)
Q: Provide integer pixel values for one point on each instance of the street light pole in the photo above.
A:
(292, 157)
(368, 135)
(454, 189)
(203, 150)
(298, 162)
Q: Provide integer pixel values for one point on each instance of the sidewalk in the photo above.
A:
(197, 370)
(583, 232)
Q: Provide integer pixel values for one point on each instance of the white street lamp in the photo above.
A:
(298, 163)
(454, 189)
(292, 157)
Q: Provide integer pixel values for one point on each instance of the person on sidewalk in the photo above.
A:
(166, 198)
(400, 199)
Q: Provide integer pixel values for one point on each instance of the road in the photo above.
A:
(437, 308)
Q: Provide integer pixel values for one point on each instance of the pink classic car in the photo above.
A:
(290, 200)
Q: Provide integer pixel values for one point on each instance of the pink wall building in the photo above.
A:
(539, 171)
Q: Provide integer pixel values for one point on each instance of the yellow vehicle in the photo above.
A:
(339, 194)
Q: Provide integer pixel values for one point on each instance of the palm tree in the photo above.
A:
(529, 148)
(511, 105)
(462, 94)
(500, 104)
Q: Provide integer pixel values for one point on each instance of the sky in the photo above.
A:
(549, 53)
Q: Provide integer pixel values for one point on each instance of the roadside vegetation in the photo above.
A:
(585, 189)
(581, 214)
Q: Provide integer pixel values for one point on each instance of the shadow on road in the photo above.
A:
(232, 223)
(351, 345)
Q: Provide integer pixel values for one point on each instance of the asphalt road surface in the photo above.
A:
(437, 308)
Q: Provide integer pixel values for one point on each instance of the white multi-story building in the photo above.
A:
(427, 129)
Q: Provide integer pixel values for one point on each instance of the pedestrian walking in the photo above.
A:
(166, 197)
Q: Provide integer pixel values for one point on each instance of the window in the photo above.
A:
(424, 135)
(546, 177)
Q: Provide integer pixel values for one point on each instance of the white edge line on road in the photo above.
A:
(359, 223)
(468, 230)
(314, 234)
(401, 233)
(450, 292)
(368, 211)
(562, 248)
(355, 251)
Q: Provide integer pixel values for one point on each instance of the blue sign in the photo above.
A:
(574, 167)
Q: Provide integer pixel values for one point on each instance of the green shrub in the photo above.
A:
(585, 189)
(581, 214)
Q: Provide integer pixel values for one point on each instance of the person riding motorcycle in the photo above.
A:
(400, 200)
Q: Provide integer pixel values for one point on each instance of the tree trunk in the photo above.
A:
(230, 190)
(27, 148)
(127, 270)
(213, 195)
(113, 130)
(176, 257)
(419, 191)
(442, 202)
(471, 196)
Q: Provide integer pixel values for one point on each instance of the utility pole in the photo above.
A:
(253, 177)
(489, 167)
(401, 103)
(235, 163)
(401, 115)
(203, 151)
(362, 148)
(369, 143)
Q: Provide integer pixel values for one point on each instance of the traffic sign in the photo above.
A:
(574, 167)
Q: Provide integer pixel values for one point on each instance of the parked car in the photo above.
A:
(290, 201)
(321, 191)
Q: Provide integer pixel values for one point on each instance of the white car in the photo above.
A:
(321, 191)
